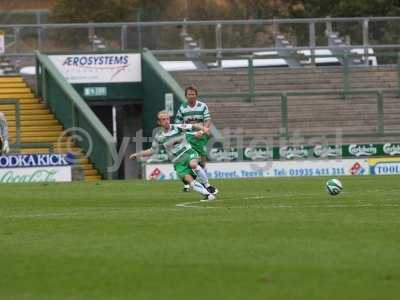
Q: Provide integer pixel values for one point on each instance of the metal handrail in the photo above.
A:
(218, 24)
(76, 99)
(237, 50)
(38, 145)
(202, 22)
(79, 105)
(241, 50)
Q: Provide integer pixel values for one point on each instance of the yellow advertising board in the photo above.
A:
(384, 166)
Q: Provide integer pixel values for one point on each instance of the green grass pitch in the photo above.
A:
(280, 238)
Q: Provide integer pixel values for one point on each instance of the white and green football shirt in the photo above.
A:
(198, 114)
(172, 141)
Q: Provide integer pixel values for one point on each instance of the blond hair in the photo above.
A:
(162, 112)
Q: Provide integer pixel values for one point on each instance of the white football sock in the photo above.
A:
(198, 187)
(202, 175)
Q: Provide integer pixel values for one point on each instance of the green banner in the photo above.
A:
(299, 152)
(391, 149)
(259, 153)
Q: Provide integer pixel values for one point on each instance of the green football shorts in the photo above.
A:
(199, 145)
(182, 167)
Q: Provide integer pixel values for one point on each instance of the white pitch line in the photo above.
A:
(49, 215)
(294, 205)
(291, 195)
(81, 213)
(191, 204)
(188, 205)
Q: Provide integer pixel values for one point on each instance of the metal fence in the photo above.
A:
(356, 32)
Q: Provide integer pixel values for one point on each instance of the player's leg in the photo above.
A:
(198, 145)
(186, 185)
(201, 175)
(203, 161)
(198, 187)
(209, 187)
(185, 172)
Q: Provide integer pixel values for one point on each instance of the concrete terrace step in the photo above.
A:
(37, 139)
(243, 111)
(335, 109)
(91, 172)
(12, 84)
(255, 103)
(262, 124)
(325, 117)
(285, 71)
(328, 103)
(92, 178)
(16, 96)
(246, 111)
(11, 79)
(310, 86)
(67, 149)
(31, 117)
(336, 97)
(87, 166)
(34, 150)
(16, 90)
(40, 133)
(40, 123)
(232, 78)
(23, 106)
(24, 101)
(43, 128)
(28, 112)
(332, 123)
(331, 130)
(343, 105)
(317, 81)
(247, 120)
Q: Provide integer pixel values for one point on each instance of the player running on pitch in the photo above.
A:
(195, 112)
(172, 138)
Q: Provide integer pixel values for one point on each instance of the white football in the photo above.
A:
(334, 187)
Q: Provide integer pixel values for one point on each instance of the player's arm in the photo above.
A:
(195, 129)
(200, 128)
(144, 153)
(155, 148)
(207, 118)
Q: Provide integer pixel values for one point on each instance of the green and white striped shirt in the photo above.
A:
(173, 141)
(198, 114)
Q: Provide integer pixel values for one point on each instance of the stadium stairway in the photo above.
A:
(38, 124)
(308, 115)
